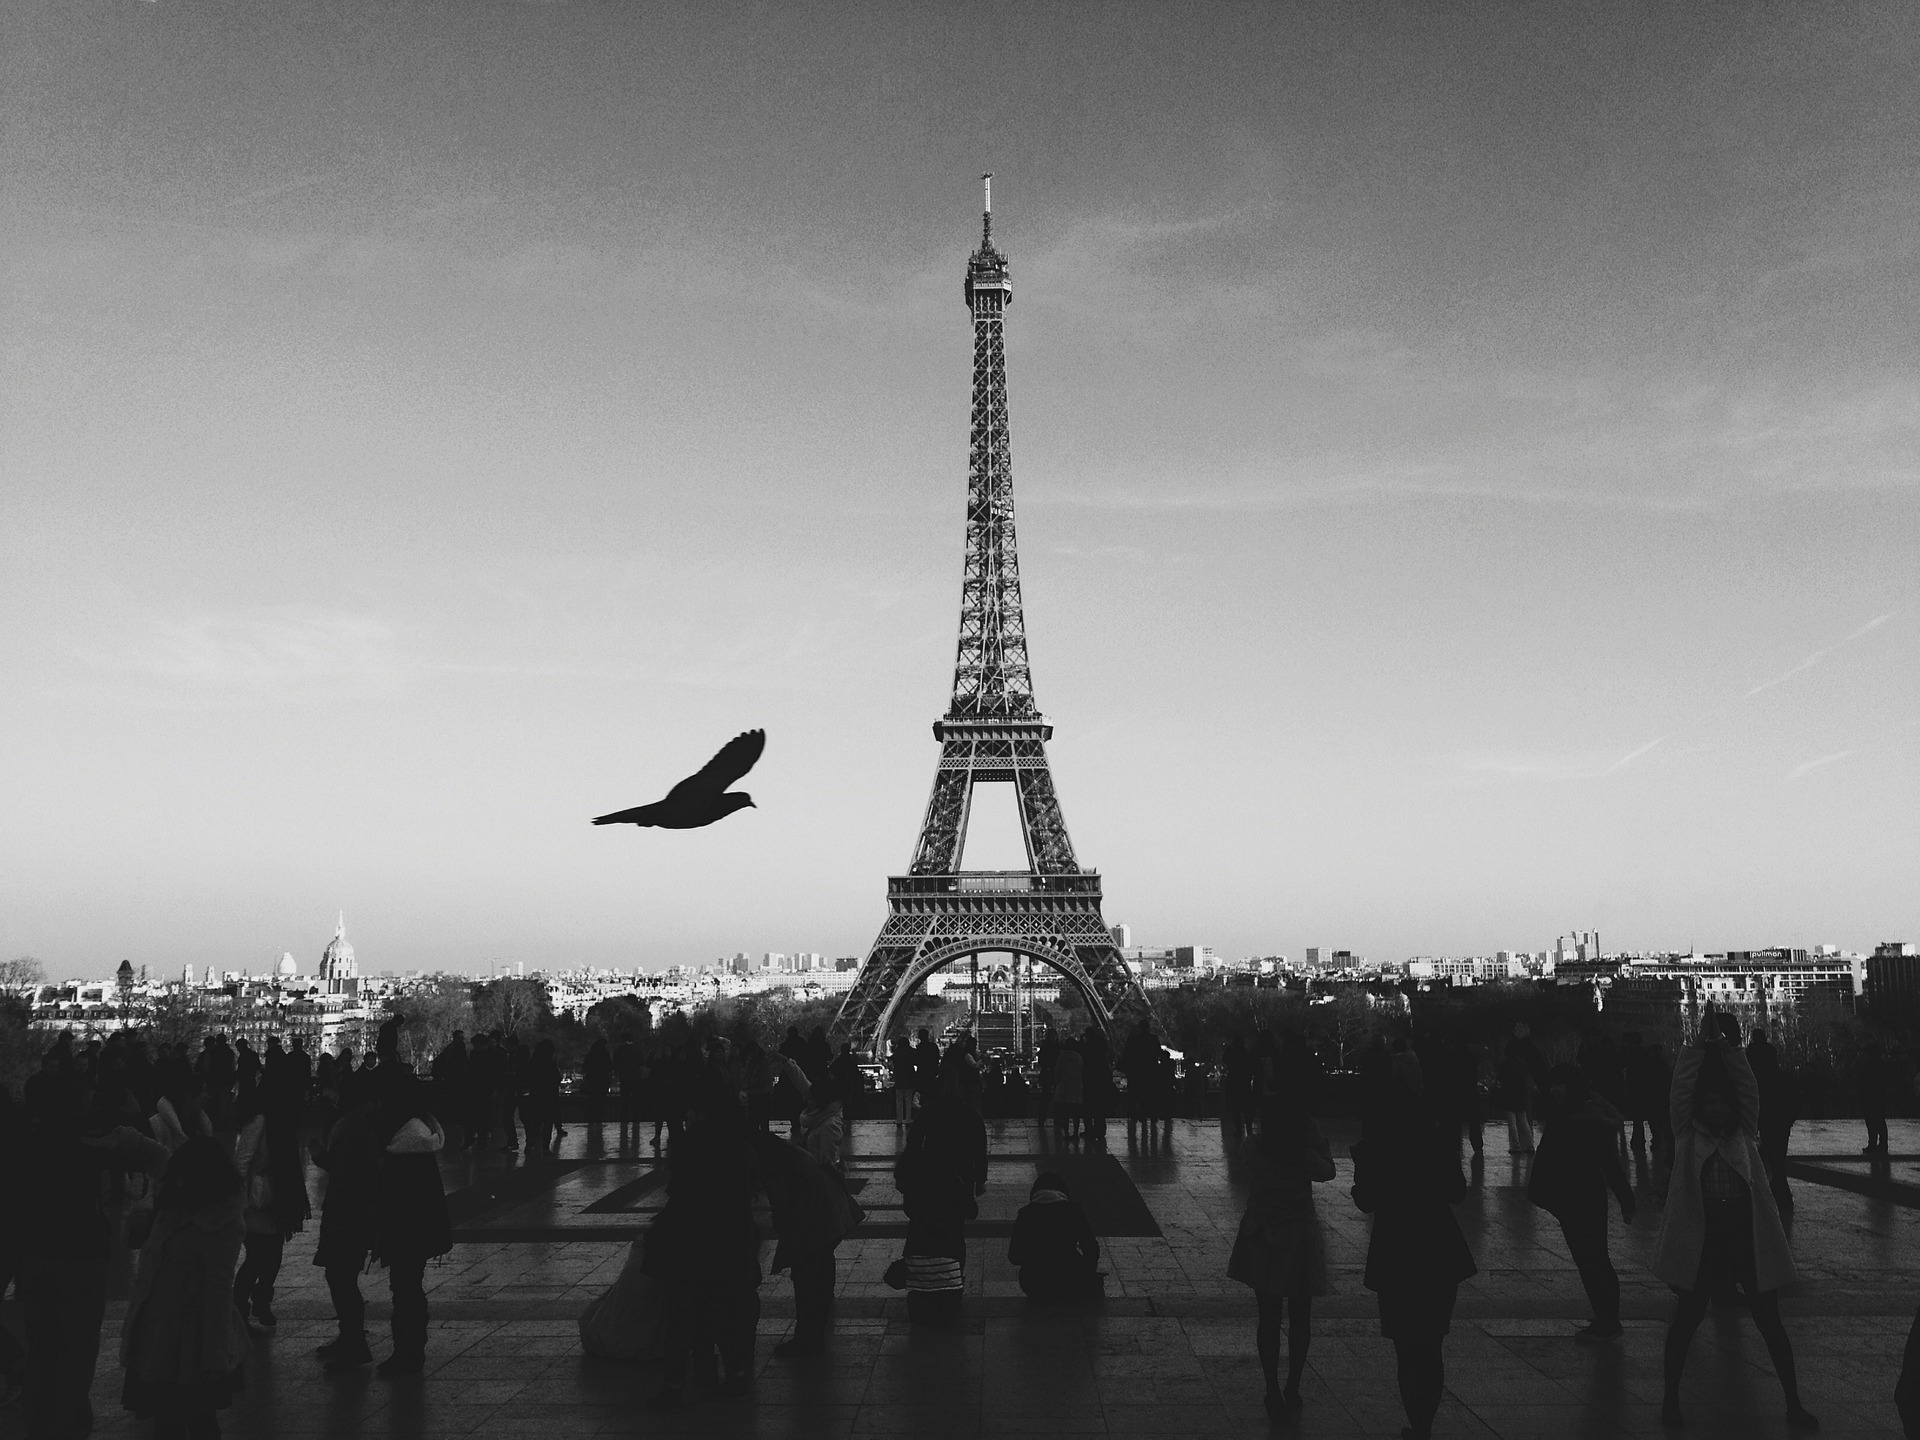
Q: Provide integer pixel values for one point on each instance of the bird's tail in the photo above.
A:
(637, 816)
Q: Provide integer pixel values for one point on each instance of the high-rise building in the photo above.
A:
(1123, 936)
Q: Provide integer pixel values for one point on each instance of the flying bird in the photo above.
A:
(701, 798)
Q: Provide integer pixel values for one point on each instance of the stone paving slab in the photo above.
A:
(1169, 1352)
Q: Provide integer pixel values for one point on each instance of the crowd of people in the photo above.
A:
(1721, 1231)
(200, 1156)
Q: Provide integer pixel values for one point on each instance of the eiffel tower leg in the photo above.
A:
(881, 981)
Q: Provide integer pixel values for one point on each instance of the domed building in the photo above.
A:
(288, 966)
(339, 971)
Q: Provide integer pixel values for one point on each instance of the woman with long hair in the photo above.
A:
(1721, 1227)
(1281, 1252)
(184, 1346)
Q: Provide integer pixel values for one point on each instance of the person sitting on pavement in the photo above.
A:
(1054, 1245)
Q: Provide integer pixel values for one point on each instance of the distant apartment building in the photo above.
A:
(1893, 973)
(1662, 995)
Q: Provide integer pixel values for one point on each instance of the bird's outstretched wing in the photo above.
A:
(735, 759)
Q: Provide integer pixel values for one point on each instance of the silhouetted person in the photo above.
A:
(1517, 1086)
(266, 1152)
(300, 1071)
(1047, 1057)
(1236, 1085)
(540, 1099)
(1140, 1062)
(1577, 1163)
(1779, 1107)
(812, 1213)
(848, 1078)
(513, 1085)
(1606, 1073)
(630, 1074)
(926, 1067)
(901, 1072)
(56, 1183)
(1720, 1227)
(818, 1061)
(1053, 1244)
(248, 1067)
(184, 1347)
(1281, 1251)
(1096, 1083)
(413, 1225)
(1457, 1088)
(451, 1072)
(596, 1078)
(703, 1247)
(1069, 1088)
(1647, 1086)
(1406, 1174)
(822, 1125)
(940, 1172)
(351, 1154)
(1870, 1078)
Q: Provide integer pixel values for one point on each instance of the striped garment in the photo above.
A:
(934, 1272)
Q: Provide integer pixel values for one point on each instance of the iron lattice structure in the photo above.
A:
(991, 733)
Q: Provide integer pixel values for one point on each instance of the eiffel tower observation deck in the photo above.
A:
(992, 733)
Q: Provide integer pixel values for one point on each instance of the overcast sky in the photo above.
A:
(1467, 464)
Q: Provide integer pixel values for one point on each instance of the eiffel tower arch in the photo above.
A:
(992, 733)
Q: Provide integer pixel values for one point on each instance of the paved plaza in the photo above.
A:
(1169, 1352)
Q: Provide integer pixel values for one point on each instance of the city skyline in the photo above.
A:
(1465, 469)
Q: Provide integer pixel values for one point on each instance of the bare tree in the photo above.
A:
(511, 1005)
(22, 973)
(433, 1012)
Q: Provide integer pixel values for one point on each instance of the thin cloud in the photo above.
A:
(1817, 656)
(1810, 765)
(1553, 767)
(1631, 756)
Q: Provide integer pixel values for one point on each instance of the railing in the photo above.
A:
(996, 882)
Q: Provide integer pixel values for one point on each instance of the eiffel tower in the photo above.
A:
(992, 733)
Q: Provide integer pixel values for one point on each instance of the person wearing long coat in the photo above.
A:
(413, 1226)
(703, 1246)
(184, 1343)
(1281, 1251)
(1406, 1174)
(1721, 1226)
(812, 1214)
(351, 1155)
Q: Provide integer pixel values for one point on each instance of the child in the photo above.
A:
(185, 1343)
(1280, 1251)
(1054, 1245)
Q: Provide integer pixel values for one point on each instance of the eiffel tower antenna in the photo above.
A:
(992, 733)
